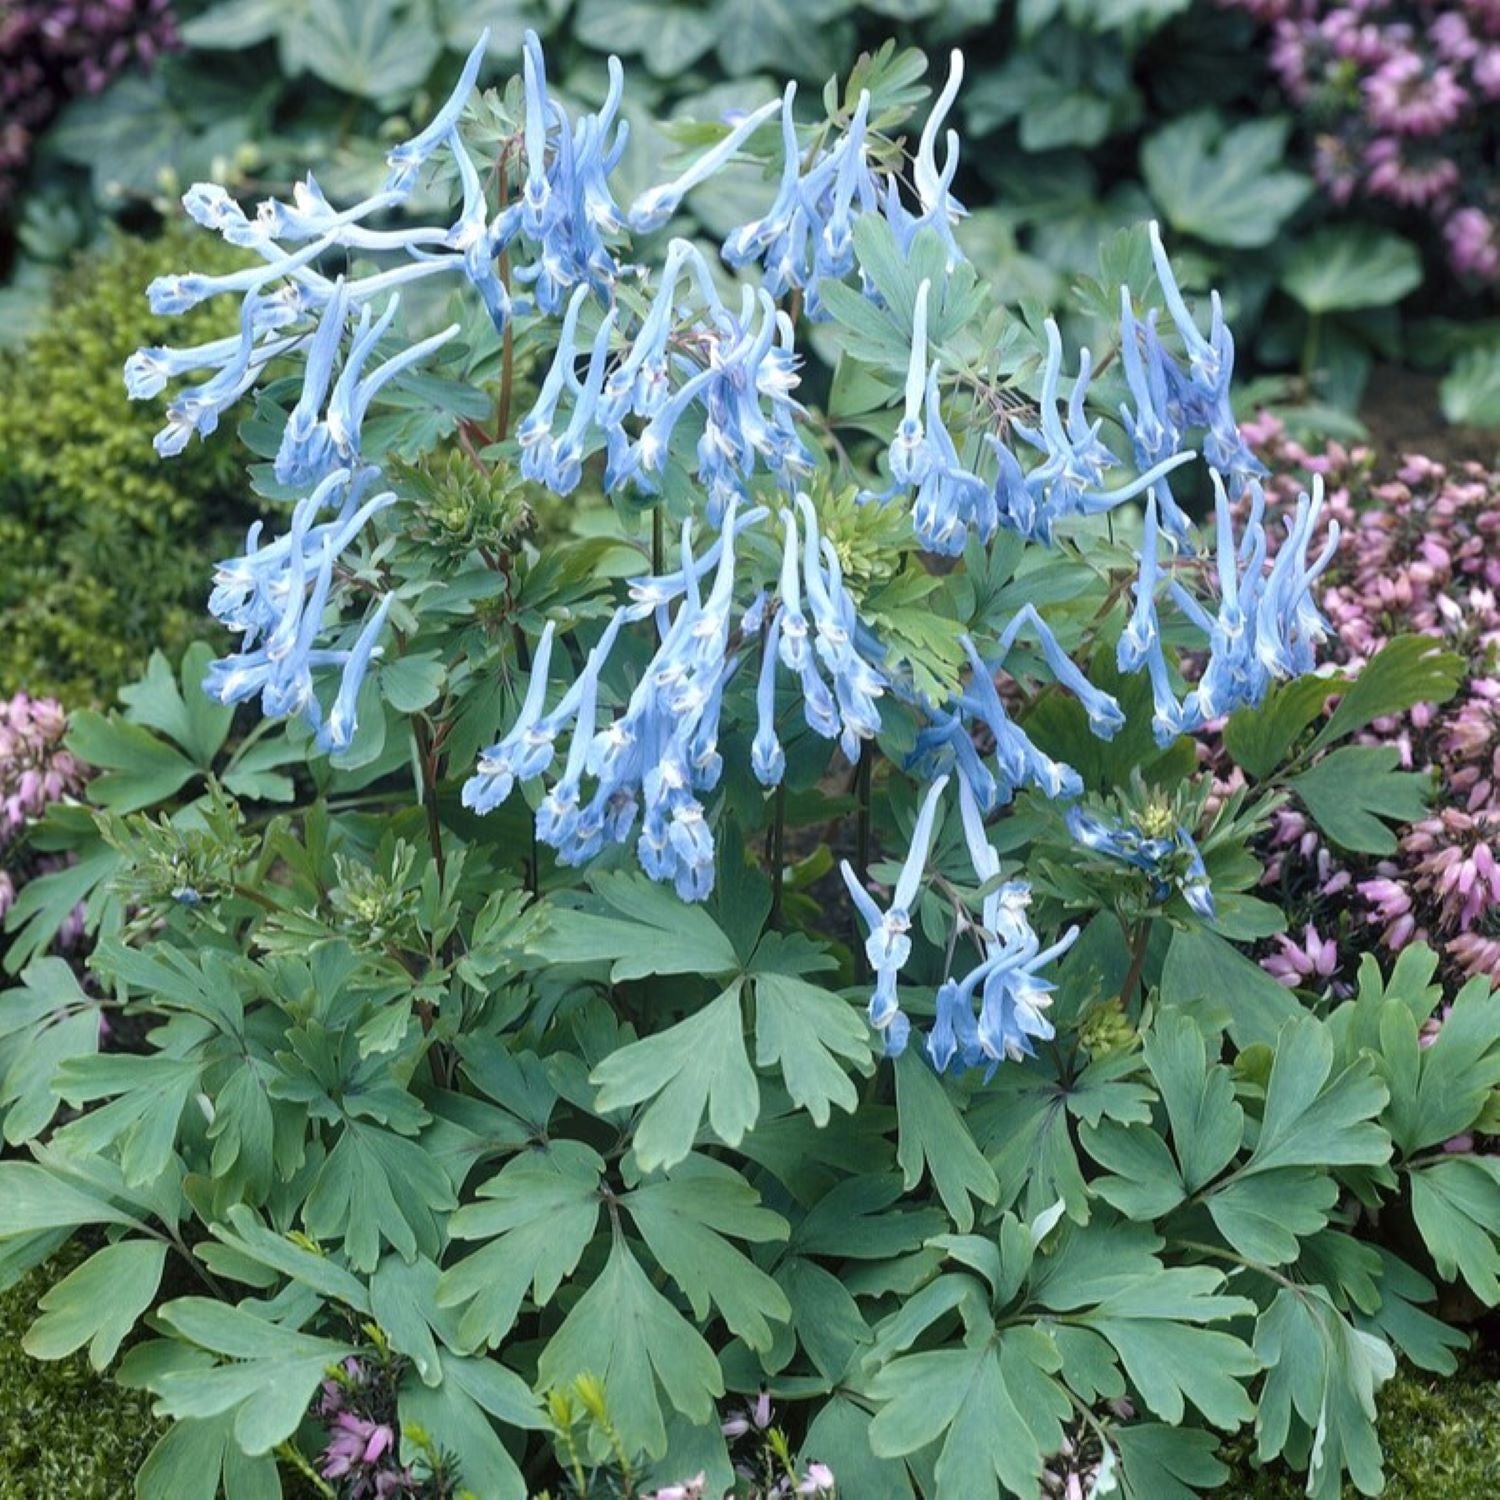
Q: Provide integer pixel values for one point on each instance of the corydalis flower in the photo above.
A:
(658, 758)
(1172, 860)
(887, 945)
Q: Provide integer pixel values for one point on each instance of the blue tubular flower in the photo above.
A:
(887, 946)
(751, 241)
(836, 243)
(305, 450)
(1143, 629)
(536, 196)
(509, 759)
(1014, 999)
(767, 758)
(1288, 625)
(564, 466)
(534, 433)
(939, 208)
(338, 728)
(1171, 863)
(407, 160)
(471, 236)
(1104, 713)
(950, 500)
(910, 453)
(656, 205)
(1153, 435)
(1018, 762)
(1201, 393)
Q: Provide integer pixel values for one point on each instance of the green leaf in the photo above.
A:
(652, 932)
(97, 1304)
(1351, 790)
(194, 1457)
(454, 1412)
(1259, 738)
(626, 1334)
(1022, 1128)
(140, 770)
(934, 1137)
(1110, 1278)
(668, 38)
(1312, 1117)
(1265, 1217)
(376, 49)
(1207, 1123)
(269, 1377)
(683, 1221)
(1167, 1463)
(812, 39)
(1470, 392)
(57, 1021)
(238, 24)
(1456, 1204)
(250, 1238)
(1346, 266)
(1323, 1372)
(806, 1030)
(376, 1186)
(142, 1122)
(539, 1214)
(410, 683)
(839, 1436)
(1439, 1091)
(198, 723)
(1225, 185)
(1202, 967)
(32, 1197)
(995, 1406)
(699, 1064)
(1411, 669)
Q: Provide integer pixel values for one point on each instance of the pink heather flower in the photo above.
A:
(1406, 96)
(1451, 38)
(1314, 958)
(1410, 183)
(1486, 72)
(1473, 238)
(1476, 954)
(354, 1442)
(35, 769)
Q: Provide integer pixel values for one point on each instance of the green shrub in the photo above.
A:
(65, 1431)
(103, 549)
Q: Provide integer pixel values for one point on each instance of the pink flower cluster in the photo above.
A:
(1403, 100)
(1422, 553)
(35, 770)
(51, 50)
(361, 1449)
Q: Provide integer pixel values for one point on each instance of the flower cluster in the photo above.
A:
(1402, 99)
(806, 236)
(632, 363)
(51, 52)
(361, 1453)
(1423, 554)
(1168, 400)
(660, 756)
(35, 770)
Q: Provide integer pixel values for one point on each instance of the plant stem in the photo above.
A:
(1138, 947)
(776, 848)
